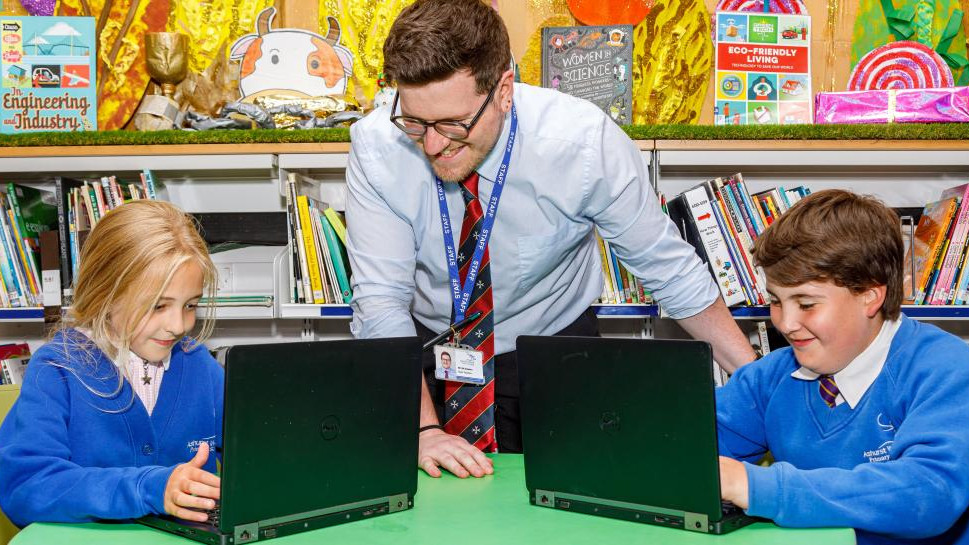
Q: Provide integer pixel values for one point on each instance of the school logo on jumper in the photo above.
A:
(882, 453)
(193, 446)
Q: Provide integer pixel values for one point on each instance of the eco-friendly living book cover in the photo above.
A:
(48, 74)
(591, 62)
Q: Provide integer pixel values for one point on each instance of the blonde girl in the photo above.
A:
(118, 413)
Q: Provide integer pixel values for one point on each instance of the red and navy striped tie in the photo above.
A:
(469, 409)
(828, 389)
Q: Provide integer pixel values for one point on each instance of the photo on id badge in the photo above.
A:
(458, 363)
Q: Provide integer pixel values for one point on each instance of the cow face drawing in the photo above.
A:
(290, 61)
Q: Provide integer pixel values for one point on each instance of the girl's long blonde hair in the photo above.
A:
(126, 264)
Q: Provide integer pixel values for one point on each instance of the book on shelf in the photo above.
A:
(591, 62)
(928, 248)
(692, 214)
(319, 269)
(722, 219)
(620, 286)
(13, 362)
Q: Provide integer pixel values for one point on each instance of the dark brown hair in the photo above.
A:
(851, 240)
(433, 39)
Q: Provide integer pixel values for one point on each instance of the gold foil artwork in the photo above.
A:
(365, 25)
(213, 26)
(321, 107)
(672, 61)
(672, 58)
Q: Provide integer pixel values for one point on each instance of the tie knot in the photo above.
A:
(469, 188)
(828, 390)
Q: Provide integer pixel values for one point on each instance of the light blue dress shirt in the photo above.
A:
(572, 170)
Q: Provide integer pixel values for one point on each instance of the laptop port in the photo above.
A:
(565, 504)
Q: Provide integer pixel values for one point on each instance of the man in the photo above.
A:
(533, 182)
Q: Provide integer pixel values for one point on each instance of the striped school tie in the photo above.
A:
(828, 389)
(469, 409)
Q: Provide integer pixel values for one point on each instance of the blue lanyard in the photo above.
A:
(462, 295)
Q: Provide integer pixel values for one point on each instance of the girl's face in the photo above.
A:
(172, 317)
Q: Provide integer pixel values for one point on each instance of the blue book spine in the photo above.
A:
(745, 282)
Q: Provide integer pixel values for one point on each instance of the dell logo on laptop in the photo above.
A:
(609, 422)
(330, 428)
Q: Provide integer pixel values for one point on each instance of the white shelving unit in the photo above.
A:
(251, 178)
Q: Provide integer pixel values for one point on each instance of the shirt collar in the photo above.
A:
(133, 359)
(855, 379)
(488, 169)
(136, 360)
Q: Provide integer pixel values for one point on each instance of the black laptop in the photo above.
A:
(623, 428)
(314, 434)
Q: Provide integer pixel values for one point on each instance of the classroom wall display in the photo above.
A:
(763, 69)
(48, 74)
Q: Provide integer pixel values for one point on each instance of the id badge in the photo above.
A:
(458, 363)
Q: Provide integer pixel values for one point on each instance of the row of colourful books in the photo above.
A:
(319, 267)
(13, 362)
(89, 200)
(935, 272)
(22, 217)
(722, 219)
(619, 286)
(41, 233)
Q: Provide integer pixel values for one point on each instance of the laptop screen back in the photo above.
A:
(628, 420)
(312, 425)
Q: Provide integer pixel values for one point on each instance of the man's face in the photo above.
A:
(457, 99)
(446, 360)
(827, 325)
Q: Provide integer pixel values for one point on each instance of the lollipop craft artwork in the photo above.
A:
(900, 65)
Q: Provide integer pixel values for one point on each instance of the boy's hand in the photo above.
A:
(454, 453)
(733, 482)
(191, 488)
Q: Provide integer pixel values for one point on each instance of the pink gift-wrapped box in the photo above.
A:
(941, 105)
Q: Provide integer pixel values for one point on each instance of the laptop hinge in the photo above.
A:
(544, 498)
(696, 522)
(246, 533)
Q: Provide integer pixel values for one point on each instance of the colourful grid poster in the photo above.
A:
(763, 69)
(48, 74)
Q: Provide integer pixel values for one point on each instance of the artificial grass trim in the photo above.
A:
(912, 131)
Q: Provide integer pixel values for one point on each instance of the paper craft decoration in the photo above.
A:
(291, 62)
(900, 65)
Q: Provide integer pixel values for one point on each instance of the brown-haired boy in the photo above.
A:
(866, 412)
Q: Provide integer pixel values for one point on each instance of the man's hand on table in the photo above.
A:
(439, 449)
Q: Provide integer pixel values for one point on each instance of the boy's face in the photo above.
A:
(827, 325)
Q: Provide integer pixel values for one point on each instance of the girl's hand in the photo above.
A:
(190, 488)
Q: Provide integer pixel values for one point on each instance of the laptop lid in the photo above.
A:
(628, 420)
(312, 425)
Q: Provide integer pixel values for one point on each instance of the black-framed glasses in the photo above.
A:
(449, 128)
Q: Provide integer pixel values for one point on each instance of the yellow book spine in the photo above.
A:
(312, 261)
(337, 224)
(610, 290)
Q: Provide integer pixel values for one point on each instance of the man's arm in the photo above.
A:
(716, 326)
(383, 257)
(626, 211)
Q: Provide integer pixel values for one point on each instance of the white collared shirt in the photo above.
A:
(855, 379)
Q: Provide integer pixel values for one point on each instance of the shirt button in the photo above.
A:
(147, 450)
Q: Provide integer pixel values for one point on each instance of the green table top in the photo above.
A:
(497, 505)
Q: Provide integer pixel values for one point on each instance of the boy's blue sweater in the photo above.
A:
(895, 468)
(70, 455)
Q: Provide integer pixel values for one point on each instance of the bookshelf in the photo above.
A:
(251, 178)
